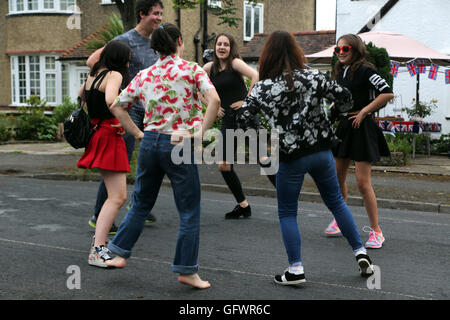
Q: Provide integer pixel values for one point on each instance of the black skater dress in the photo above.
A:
(366, 143)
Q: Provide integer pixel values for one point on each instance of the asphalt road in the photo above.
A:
(44, 237)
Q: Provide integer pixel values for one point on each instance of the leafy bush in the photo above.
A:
(113, 29)
(421, 109)
(6, 128)
(63, 111)
(33, 124)
(400, 142)
(441, 145)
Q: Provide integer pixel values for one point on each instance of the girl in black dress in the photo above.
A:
(362, 139)
(226, 72)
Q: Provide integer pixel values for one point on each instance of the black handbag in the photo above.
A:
(78, 128)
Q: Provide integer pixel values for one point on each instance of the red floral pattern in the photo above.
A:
(168, 91)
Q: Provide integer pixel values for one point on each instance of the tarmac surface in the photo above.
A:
(44, 210)
(422, 185)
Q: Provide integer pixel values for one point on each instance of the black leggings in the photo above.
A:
(231, 178)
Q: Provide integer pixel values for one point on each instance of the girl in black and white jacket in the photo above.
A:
(290, 97)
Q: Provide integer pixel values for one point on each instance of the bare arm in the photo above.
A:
(211, 110)
(111, 91)
(376, 104)
(247, 71)
(124, 118)
(94, 58)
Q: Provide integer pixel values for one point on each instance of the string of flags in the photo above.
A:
(418, 66)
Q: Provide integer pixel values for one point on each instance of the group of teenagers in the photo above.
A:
(141, 90)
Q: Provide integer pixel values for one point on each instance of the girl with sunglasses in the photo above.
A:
(361, 139)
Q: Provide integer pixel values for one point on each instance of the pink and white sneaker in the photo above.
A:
(332, 230)
(376, 239)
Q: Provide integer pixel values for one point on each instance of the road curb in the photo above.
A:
(264, 192)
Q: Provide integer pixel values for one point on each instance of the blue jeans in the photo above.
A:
(290, 176)
(154, 162)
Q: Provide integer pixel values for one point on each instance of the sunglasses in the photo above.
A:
(338, 50)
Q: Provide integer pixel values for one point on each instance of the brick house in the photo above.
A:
(41, 41)
(309, 41)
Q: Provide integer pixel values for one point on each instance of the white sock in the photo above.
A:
(296, 269)
(361, 250)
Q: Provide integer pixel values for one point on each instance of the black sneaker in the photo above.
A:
(93, 224)
(150, 218)
(238, 211)
(289, 278)
(366, 268)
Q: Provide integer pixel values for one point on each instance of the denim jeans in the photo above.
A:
(102, 193)
(154, 162)
(290, 176)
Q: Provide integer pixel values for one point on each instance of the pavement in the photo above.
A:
(422, 185)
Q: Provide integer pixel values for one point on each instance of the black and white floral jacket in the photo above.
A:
(297, 114)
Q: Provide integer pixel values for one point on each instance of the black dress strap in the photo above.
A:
(99, 78)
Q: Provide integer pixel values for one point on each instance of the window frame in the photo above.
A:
(57, 5)
(21, 79)
(215, 3)
(252, 23)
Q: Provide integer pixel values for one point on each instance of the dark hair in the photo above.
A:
(281, 54)
(115, 57)
(145, 6)
(164, 39)
(359, 55)
(234, 53)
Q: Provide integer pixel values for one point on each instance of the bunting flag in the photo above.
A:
(418, 66)
(411, 68)
(433, 71)
(394, 68)
(421, 66)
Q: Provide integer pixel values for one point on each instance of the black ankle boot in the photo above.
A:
(238, 211)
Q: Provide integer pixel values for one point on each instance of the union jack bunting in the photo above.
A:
(420, 66)
(411, 68)
(394, 68)
(433, 71)
(447, 76)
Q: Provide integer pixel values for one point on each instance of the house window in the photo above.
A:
(67, 4)
(65, 82)
(37, 6)
(49, 4)
(35, 76)
(253, 20)
(32, 4)
(215, 3)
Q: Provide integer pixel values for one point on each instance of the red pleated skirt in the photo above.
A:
(106, 149)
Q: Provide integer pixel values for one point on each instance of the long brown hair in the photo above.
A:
(359, 55)
(281, 53)
(234, 53)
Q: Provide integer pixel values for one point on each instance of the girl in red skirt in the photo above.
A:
(106, 150)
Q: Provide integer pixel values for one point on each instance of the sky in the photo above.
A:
(326, 14)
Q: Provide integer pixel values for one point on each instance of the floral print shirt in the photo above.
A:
(168, 91)
(298, 114)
